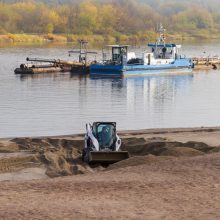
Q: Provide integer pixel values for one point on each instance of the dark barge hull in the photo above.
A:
(79, 69)
(73, 69)
(40, 70)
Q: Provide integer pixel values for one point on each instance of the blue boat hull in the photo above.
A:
(180, 65)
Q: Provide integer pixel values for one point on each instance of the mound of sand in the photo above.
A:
(57, 165)
(34, 145)
(215, 150)
(133, 141)
(198, 146)
(17, 162)
(63, 162)
(156, 146)
(180, 151)
(144, 148)
(38, 144)
(62, 156)
(8, 147)
(137, 160)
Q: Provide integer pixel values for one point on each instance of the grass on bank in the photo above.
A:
(35, 38)
(134, 39)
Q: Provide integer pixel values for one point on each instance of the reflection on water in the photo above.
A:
(55, 104)
(144, 91)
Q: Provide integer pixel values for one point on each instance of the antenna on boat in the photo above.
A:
(82, 51)
(161, 32)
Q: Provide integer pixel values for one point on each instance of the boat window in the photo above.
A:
(116, 53)
(116, 50)
(163, 52)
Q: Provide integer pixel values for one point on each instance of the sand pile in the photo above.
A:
(12, 159)
(154, 152)
(142, 146)
(215, 150)
(44, 144)
(61, 163)
(8, 147)
(181, 152)
(199, 146)
(159, 146)
(62, 156)
(17, 162)
(137, 160)
(150, 150)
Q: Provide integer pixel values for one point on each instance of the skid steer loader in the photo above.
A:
(102, 144)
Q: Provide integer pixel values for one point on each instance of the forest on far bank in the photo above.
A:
(113, 18)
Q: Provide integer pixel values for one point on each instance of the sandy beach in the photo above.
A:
(171, 174)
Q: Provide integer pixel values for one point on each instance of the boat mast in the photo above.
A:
(82, 51)
(161, 32)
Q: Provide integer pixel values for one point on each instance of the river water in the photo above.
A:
(58, 104)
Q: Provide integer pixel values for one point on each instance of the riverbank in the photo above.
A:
(163, 164)
(65, 38)
(133, 39)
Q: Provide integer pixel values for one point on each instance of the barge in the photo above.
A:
(42, 65)
(50, 66)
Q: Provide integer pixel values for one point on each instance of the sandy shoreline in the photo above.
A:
(164, 163)
(151, 131)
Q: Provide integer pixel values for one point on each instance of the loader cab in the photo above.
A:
(105, 132)
(102, 144)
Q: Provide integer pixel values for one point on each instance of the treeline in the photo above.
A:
(109, 17)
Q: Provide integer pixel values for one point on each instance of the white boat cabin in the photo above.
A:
(161, 54)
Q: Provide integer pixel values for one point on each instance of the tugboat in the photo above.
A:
(161, 58)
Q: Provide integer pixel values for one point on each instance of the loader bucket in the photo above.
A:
(107, 157)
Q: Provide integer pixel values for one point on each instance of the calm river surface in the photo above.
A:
(58, 104)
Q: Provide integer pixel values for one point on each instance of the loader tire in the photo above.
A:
(85, 156)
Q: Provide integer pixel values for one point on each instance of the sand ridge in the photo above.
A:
(171, 174)
(61, 156)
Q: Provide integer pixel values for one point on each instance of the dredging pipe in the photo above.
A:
(54, 61)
